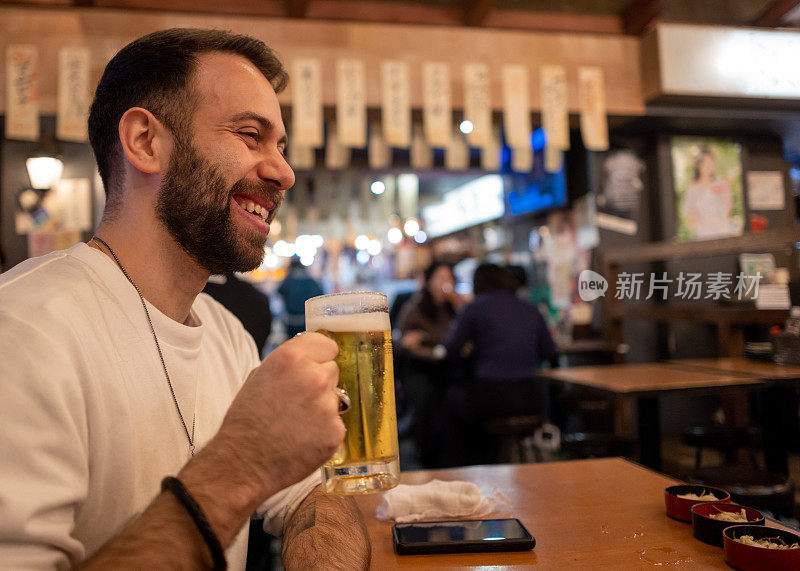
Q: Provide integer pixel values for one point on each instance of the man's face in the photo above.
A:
(223, 188)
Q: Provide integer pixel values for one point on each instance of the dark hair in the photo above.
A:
(518, 274)
(155, 72)
(704, 151)
(491, 278)
(426, 303)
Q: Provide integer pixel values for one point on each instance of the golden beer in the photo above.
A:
(367, 460)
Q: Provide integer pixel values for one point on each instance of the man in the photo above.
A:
(295, 289)
(116, 373)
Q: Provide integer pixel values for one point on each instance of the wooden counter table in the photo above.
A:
(741, 366)
(585, 514)
(641, 384)
(778, 401)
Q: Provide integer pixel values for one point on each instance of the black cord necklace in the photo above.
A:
(189, 437)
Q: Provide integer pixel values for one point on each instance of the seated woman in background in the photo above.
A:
(425, 323)
(506, 339)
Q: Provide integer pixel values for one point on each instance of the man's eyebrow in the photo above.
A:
(265, 123)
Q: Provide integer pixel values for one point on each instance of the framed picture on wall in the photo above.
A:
(707, 178)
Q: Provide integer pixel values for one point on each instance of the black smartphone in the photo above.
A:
(461, 536)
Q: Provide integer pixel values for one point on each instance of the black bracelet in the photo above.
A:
(177, 488)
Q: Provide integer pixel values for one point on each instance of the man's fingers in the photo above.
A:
(331, 370)
(319, 348)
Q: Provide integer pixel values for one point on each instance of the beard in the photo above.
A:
(194, 204)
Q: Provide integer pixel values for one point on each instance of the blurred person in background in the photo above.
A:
(520, 280)
(246, 302)
(426, 321)
(295, 289)
(427, 318)
(504, 339)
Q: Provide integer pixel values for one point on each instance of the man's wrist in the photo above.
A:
(193, 509)
(226, 488)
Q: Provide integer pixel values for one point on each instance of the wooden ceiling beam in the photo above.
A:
(775, 14)
(39, 3)
(389, 12)
(385, 12)
(639, 15)
(263, 8)
(297, 8)
(477, 11)
(554, 22)
(370, 11)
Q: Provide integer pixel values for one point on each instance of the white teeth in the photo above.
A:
(256, 209)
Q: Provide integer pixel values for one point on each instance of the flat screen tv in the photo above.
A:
(536, 191)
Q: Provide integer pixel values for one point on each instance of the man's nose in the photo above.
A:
(277, 170)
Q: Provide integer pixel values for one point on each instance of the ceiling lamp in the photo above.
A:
(44, 171)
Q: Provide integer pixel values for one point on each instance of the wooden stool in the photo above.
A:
(750, 486)
(512, 431)
(596, 445)
(726, 439)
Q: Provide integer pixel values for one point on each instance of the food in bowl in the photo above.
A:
(680, 498)
(735, 517)
(703, 497)
(758, 548)
(766, 542)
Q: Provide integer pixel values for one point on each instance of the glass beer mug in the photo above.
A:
(367, 461)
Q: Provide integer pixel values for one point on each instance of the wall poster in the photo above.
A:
(707, 177)
(621, 183)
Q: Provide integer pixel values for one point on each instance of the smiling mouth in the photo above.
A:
(256, 210)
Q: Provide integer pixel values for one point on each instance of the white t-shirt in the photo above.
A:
(89, 427)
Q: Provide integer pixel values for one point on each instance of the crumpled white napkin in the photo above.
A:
(437, 499)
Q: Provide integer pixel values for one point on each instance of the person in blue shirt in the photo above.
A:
(295, 289)
(501, 340)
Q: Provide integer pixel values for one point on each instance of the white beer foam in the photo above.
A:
(377, 321)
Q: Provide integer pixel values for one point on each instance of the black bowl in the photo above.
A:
(709, 530)
(751, 558)
(680, 508)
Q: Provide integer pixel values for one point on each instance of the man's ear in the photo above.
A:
(146, 142)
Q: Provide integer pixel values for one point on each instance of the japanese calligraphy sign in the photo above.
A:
(351, 107)
(437, 109)
(592, 96)
(516, 106)
(22, 95)
(396, 109)
(307, 121)
(456, 156)
(522, 158)
(73, 94)
(378, 154)
(490, 152)
(421, 152)
(555, 118)
(478, 104)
